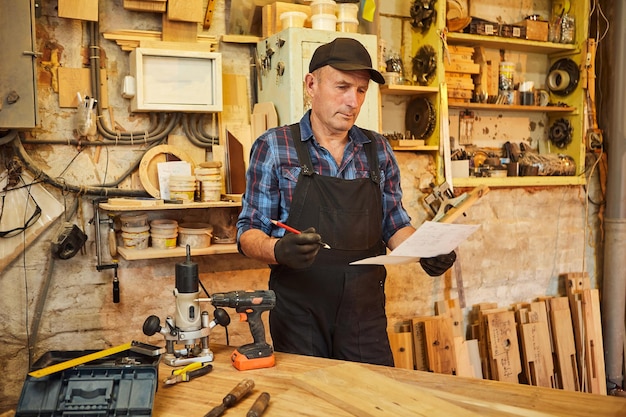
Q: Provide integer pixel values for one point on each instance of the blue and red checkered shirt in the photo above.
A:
(274, 169)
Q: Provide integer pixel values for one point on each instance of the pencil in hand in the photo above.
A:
(295, 231)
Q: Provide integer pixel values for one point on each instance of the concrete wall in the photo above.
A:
(528, 236)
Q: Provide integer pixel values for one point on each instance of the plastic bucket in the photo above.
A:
(292, 19)
(348, 11)
(135, 237)
(134, 220)
(182, 187)
(348, 25)
(324, 22)
(323, 7)
(196, 235)
(163, 233)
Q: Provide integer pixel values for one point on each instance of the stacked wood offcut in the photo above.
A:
(553, 342)
(459, 67)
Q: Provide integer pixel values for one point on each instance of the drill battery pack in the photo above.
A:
(253, 356)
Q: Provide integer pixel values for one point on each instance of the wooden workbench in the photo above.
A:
(478, 397)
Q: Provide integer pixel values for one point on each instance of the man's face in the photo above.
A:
(337, 97)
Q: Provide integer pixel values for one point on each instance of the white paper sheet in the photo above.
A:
(431, 239)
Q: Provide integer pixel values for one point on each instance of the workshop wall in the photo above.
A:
(528, 236)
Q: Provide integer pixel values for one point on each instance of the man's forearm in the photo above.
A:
(400, 236)
(257, 245)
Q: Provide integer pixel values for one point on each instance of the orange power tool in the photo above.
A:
(250, 305)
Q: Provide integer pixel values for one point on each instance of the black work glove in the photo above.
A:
(438, 265)
(298, 251)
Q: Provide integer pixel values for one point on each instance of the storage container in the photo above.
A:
(196, 235)
(292, 19)
(348, 25)
(324, 22)
(136, 237)
(163, 233)
(134, 220)
(323, 7)
(347, 11)
(182, 187)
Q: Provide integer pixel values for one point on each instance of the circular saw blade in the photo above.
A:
(420, 118)
(425, 65)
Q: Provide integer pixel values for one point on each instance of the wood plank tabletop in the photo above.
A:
(291, 385)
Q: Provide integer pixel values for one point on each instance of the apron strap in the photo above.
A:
(303, 152)
(305, 158)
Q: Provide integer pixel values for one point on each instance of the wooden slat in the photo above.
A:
(401, 342)
(78, 80)
(536, 349)
(564, 345)
(151, 6)
(503, 346)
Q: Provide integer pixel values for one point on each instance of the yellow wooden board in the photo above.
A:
(365, 393)
(78, 9)
(185, 10)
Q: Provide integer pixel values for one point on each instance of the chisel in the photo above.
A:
(241, 390)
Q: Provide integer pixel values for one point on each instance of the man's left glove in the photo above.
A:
(438, 265)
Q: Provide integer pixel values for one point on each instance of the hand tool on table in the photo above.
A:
(188, 372)
(190, 326)
(250, 305)
(259, 406)
(241, 390)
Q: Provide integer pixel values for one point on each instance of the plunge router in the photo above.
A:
(190, 326)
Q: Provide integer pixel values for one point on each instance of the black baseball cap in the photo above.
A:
(345, 54)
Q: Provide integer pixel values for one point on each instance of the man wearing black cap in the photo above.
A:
(329, 179)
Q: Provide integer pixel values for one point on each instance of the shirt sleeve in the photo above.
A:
(395, 217)
(260, 201)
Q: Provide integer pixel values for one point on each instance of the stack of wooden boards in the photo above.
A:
(553, 342)
(459, 67)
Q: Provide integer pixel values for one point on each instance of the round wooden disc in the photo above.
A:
(148, 173)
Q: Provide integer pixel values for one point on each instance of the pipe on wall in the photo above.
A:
(614, 281)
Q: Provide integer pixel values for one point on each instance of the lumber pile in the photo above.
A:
(553, 342)
(459, 68)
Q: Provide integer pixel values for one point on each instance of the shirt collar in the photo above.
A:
(355, 134)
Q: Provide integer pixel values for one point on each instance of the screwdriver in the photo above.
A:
(241, 390)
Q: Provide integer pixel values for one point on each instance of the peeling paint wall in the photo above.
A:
(528, 236)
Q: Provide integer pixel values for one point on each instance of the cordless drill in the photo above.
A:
(250, 305)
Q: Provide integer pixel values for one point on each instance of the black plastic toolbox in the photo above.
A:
(123, 384)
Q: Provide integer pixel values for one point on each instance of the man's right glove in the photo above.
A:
(298, 251)
(438, 265)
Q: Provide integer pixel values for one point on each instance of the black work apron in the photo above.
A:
(333, 309)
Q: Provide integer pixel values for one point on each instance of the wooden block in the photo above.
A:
(503, 346)
(564, 345)
(78, 80)
(176, 31)
(78, 9)
(185, 10)
(440, 346)
(452, 309)
(154, 6)
(536, 30)
(536, 350)
(401, 341)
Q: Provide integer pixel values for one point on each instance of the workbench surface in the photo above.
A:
(368, 385)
